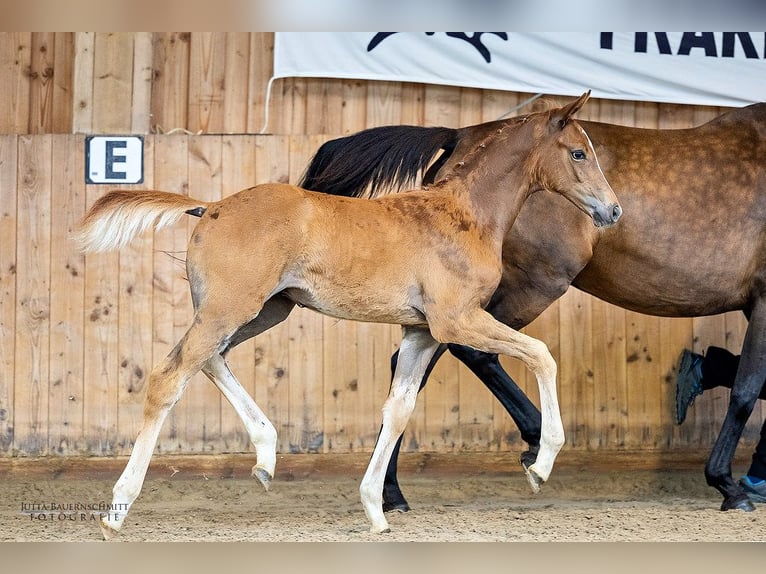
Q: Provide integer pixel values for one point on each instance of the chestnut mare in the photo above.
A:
(692, 243)
(426, 260)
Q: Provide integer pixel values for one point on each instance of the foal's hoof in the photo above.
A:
(534, 479)
(739, 502)
(107, 531)
(400, 506)
(263, 476)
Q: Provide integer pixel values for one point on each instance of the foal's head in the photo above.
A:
(564, 162)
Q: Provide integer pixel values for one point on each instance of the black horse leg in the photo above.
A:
(745, 391)
(393, 499)
(527, 417)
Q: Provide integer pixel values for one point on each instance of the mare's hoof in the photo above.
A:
(401, 506)
(739, 502)
(263, 476)
(528, 458)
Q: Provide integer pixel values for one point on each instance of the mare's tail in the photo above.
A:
(119, 216)
(377, 160)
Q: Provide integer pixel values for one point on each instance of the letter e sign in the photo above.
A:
(114, 159)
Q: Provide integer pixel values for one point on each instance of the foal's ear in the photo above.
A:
(560, 117)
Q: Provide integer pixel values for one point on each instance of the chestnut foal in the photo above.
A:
(427, 260)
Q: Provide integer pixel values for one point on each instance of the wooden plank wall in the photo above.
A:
(78, 336)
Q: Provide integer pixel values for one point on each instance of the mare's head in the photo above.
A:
(565, 162)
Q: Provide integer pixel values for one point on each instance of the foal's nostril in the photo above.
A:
(616, 212)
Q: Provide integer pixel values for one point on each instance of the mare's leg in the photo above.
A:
(167, 383)
(747, 386)
(480, 330)
(393, 499)
(261, 431)
(415, 352)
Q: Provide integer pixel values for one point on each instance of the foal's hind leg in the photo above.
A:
(415, 352)
(167, 383)
(261, 431)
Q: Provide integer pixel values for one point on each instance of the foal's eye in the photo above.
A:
(578, 155)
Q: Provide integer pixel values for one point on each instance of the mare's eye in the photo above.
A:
(578, 155)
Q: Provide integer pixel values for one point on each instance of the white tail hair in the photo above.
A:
(116, 218)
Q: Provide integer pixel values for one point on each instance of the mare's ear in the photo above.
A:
(561, 116)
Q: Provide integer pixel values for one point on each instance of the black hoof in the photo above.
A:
(528, 458)
(739, 502)
(401, 506)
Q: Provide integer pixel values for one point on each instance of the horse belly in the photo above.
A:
(365, 306)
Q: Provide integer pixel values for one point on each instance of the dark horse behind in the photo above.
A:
(693, 243)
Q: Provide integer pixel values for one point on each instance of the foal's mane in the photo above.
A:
(499, 133)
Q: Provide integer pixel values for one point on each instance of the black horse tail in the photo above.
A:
(377, 160)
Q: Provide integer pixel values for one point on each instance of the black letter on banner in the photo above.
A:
(704, 40)
(727, 50)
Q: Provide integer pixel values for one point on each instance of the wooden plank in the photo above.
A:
(134, 345)
(324, 99)
(442, 106)
(384, 102)
(305, 350)
(82, 82)
(260, 70)
(469, 110)
(412, 107)
(171, 304)
(33, 252)
(170, 88)
(645, 376)
(141, 107)
(207, 54)
(609, 376)
(496, 104)
(8, 270)
(112, 82)
(344, 409)
(236, 82)
(576, 367)
(273, 371)
(67, 345)
(41, 74)
(63, 92)
(15, 71)
(203, 399)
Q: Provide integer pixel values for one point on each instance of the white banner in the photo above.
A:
(704, 68)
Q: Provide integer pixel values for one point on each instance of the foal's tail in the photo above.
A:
(119, 216)
(377, 160)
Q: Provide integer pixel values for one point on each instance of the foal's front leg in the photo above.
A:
(415, 352)
(480, 330)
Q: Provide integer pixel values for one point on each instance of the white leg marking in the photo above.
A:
(415, 353)
(262, 433)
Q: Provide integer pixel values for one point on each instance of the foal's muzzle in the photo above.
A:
(606, 215)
